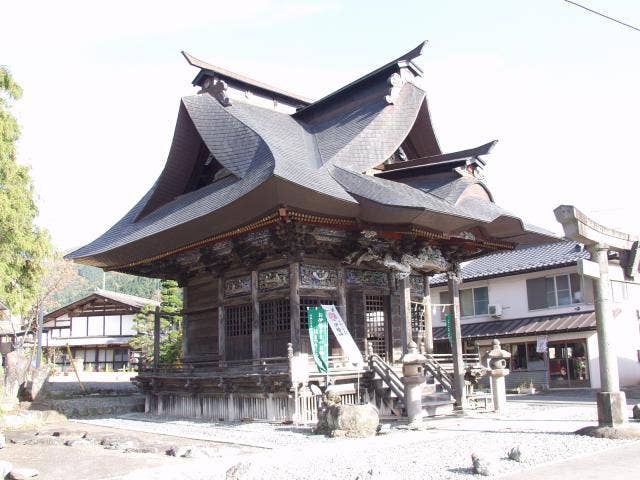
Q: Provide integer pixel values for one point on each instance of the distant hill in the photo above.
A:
(89, 278)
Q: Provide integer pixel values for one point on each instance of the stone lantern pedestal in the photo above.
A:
(414, 379)
(497, 360)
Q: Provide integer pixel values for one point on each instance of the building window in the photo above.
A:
(275, 317)
(474, 301)
(238, 320)
(556, 291)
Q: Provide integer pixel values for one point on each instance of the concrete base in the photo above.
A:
(612, 409)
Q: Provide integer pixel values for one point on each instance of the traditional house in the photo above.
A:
(541, 308)
(97, 329)
(270, 203)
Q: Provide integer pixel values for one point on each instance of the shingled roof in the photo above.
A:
(520, 260)
(317, 159)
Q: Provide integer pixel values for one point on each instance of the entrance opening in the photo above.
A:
(568, 366)
(376, 324)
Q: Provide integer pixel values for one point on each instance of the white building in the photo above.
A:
(97, 329)
(534, 296)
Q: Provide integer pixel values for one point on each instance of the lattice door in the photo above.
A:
(376, 325)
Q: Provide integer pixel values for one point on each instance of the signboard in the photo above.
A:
(588, 268)
(319, 337)
(448, 323)
(341, 332)
(541, 344)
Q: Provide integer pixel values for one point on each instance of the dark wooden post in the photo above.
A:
(185, 319)
(428, 316)
(294, 300)
(456, 341)
(342, 296)
(255, 323)
(221, 332)
(156, 338)
(405, 312)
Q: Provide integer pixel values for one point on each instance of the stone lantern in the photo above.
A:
(497, 364)
(413, 378)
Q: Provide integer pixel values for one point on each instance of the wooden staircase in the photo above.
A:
(385, 388)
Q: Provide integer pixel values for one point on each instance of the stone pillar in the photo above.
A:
(497, 371)
(414, 380)
(456, 342)
(428, 316)
(294, 301)
(612, 405)
(222, 341)
(255, 323)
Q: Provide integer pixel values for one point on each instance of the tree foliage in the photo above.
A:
(170, 326)
(23, 245)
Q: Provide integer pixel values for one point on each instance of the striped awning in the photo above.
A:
(572, 322)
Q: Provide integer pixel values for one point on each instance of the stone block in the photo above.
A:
(612, 408)
(636, 411)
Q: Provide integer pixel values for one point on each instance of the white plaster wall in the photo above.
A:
(511, 292)
(127, 325)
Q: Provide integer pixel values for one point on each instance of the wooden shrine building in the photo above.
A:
(270, 203)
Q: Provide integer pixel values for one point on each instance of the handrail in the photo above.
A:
(387, 374)
(439, 373)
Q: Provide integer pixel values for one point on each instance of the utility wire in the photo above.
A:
(603, 15)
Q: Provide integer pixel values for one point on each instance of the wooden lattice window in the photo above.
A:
(275, 317)
(238, 320)
(374, 307)
(311, 302)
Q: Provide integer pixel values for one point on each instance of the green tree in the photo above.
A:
(170, 326)
(23, 245)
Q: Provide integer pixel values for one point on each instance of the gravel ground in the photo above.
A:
(541, 425)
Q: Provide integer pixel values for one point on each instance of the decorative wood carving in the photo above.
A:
(237, 286)
(396, 82)
(367, 278)
(273, 279)
(318, 276)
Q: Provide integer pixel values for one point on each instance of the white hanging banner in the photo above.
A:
(541, 344)
(341, 332)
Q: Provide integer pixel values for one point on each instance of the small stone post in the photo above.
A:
(497, 371)
(414, 380)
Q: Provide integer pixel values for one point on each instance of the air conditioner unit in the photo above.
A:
(495, 311)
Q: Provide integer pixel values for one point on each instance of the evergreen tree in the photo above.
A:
(170, 326)
(23, 245)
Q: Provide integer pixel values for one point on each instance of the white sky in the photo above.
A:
(557, 86)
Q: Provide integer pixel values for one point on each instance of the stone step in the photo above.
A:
(436, 407)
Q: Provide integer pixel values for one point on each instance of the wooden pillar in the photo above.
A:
(456, 341)
(406, 332)
(156, 338)
(255, 323)
(221, 333)
(294, 301)
(342, 296)
(185, 319)
(428, 316)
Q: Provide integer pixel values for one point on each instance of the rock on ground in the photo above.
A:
(239, 471)
(23, 473)
(636, 411)
(515, 454)
(5, 468)
(480, 466)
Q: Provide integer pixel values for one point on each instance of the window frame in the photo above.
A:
(570, 285)
(474, 303)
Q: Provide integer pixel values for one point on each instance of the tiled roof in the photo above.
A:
(312, 160)
(520, 260)
(122, 298)
(524, 326)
